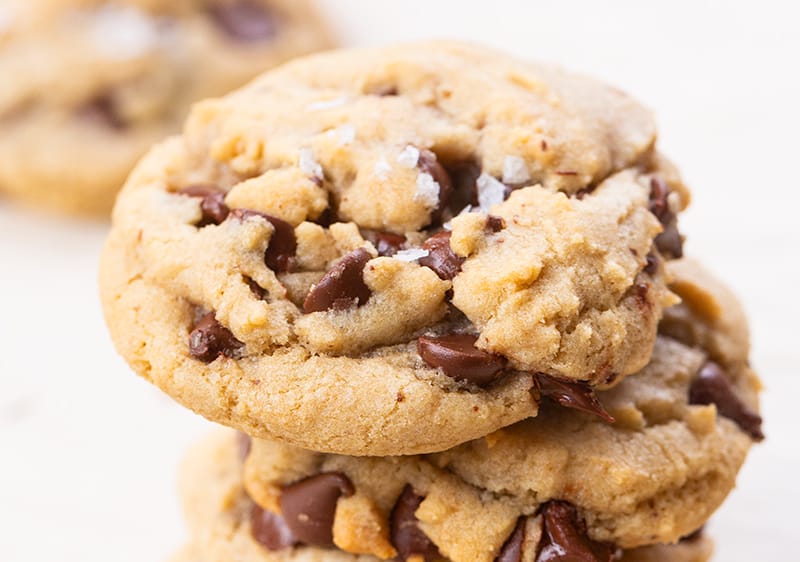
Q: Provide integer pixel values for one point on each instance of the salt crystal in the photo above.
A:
(411, 255)
(327, 104)
(122, 32)
(346, 134)
(490, 192)
(382, 169)
(309, 165)
(515, 171)
(409, 158)
(427, 190)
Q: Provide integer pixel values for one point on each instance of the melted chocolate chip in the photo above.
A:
(209, 339)
(342, 287)
(495, 224)
(575, 395)
(441, 258)
(458, 357)
(406, 535)
(245, 444)
(103, 110)
(652, 264)
(564, 537)
(712, 386)
(670, 242)
(309, 506)
(512, 548)
(212, 205)
(659, 205)
(280, 254)
(386, 243)
(270, 529)
(244, 20)
(464, 177)
(428, 164)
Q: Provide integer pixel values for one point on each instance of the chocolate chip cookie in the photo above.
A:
(394, 251)
(227, 525)
(564, 481)
(96, 83)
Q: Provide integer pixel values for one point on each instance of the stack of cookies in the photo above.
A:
(441, 295)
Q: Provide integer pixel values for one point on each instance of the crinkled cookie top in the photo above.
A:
(396, 250)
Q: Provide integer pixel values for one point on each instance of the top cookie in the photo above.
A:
(393, 251)
(97, 82)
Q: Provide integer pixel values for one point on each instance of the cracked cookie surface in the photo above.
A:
(382, 252)
(96, 83)
(653, 477)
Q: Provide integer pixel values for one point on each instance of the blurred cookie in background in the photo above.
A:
(90, 85)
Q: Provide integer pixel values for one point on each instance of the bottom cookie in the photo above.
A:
(218, 512)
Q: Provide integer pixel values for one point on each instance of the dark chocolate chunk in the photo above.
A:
(712, 386)
(512, 548)
(441, 258)
(652, 264)
(429, 164)
(213, 203)
(458, 357)
(464, 177)
(659, 205)
(564, 537)
(209, 339)
(270, 529)
(495, 224)
(575, 395)
(280, 254)
(342, 287)
(386, 243)
(670, 242)
(244, 20)
(406, 535)
(309, 506)
(103, 110)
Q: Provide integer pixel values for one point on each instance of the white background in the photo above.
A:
(88, 452)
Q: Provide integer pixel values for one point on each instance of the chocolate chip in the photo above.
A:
(212, 205)
(464, 178)
(103, 110)
(256, 289)
(495, 224)
(245, 444)
(652, 264)
(209, 339)
(428, 164)
(342, 287)
(406, 535)
(386, 243)
(512, 548)
(458, 357)
(280, 254)
(309, 506)
(640, 292)
(581, 193)
(712, 386)
(270, 529)
(244, 20)
(564, 537)
(670, 242)
(575, 395)
(441, 258)
(659, 205)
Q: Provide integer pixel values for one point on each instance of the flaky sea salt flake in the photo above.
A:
(490, 192)
(346, 134)
(382, 169)
(427, 190)
(515, 171)
(409, 158)
(309, 165)
(411, 255)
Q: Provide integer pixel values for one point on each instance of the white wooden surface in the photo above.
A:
(88, 452)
